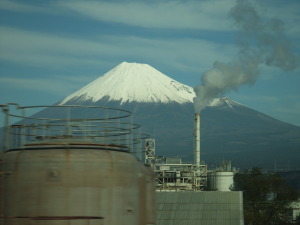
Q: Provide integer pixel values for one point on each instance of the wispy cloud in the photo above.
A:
(46, 85)
(288, 112)
(275, 9)
(186, 14)
(283, 107)
(255, 98)
(292, 109)
(42, 49)
(290, 104)
(210, 15)
(19, 7)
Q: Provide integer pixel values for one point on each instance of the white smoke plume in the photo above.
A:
(260, 41)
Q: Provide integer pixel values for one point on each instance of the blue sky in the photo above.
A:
(49, 49)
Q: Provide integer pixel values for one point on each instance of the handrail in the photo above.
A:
(104, 125)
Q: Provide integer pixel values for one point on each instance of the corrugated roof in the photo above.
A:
(205, 208)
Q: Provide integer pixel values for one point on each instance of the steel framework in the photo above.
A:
(150, 152)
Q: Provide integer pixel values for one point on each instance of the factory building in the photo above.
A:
(173, 175)
(180, 189)
(199, 207)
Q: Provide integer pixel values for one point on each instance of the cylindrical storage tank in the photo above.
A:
(221, 180)
(56, 184)
(146, 196)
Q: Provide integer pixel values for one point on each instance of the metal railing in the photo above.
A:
(71, 123)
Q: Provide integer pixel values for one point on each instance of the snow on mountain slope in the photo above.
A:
(224, 101)
(129, 82)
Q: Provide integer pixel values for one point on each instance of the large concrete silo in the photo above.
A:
(75, 172)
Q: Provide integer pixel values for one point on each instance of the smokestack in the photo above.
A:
(197, 139)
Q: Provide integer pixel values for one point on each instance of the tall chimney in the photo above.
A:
(197, 139)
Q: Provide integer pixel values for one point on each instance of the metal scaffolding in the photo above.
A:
(150, 152)
(172, 174)
(180, 177)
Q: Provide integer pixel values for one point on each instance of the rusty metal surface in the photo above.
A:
(78, 186)
(70, 170)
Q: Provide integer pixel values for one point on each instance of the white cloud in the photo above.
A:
(19, 7)
(202, 14)
(41, 49)
(190, 14)
(256, 98)
(286, 11)
(288, 113)
(210, 15)
(293, 109)
(283, 107)
(48, 85)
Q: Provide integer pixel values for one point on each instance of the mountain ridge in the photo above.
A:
(130, 82)
(229, 130)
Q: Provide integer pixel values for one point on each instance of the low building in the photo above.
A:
(295, 210)
(199, 207)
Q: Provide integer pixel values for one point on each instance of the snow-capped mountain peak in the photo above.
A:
(224, 102)
(134, 82)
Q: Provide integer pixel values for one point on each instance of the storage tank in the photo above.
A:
(75, 179)
(221, 180)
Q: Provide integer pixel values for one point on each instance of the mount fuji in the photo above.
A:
(134, 82)
(164, 108)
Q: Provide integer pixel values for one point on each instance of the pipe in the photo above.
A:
(197, 139)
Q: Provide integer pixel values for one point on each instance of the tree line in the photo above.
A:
(267, 198)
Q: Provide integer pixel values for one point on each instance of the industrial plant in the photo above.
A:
(58, 167)
(171, 173)
(189, 193)
(174, 175)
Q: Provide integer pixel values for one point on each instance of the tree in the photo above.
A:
(297, 222)
(266, 197)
